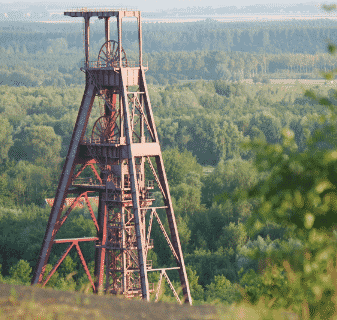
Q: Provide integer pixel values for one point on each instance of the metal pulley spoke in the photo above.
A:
(113, 47)
(105, 53)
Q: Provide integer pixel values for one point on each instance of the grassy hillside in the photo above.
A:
(25, 302)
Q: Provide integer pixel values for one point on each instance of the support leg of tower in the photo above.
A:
(101, 243)
(65, 180)
(135, 194)
(169, 211)
(174, 231)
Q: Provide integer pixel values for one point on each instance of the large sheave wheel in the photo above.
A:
(105, 130)
(109, 55)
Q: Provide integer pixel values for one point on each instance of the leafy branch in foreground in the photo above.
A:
(300, 194)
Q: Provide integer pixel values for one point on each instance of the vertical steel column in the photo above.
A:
(107, 34)
(107, 29)
(119, 27)
(86, 39)
(124, 275)
(140, 40)
(101, 244)
(142, 120)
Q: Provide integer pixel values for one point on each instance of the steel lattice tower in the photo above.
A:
(122, 140)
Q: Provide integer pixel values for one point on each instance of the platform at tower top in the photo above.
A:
(101, 13)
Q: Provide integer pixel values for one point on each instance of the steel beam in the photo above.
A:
(86, 39)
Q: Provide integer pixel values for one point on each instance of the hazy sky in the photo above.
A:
(155, 5)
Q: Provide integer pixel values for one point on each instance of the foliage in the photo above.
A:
(203, 229)
(38, 144)
(29, 183)
(233, 235)
(197, 291)
(6, 140)
(299, 194)
(174, 51)
(21, 271)
(179, 166)
(227, 179)
(222, 290)
(209, 264)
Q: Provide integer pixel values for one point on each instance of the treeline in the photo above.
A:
(61, 67)
(39, 54)
(167, 67)
(308, 37)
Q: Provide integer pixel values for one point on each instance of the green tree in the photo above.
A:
(197, 291)
(38, 144)
(29, 183)
(179, 165)
(21, 271)
(6, 141)
(21, 231)
(228, 178)
(221, 290)
(233, 235)
(67, 266)
(210, 264)
(268, 124)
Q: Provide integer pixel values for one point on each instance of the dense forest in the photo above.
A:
(255, 194)
(35, 133)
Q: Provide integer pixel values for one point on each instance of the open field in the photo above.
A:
(292, 81)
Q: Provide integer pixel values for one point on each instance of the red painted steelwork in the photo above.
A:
(122, 140)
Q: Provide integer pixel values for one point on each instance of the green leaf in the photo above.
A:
(330, 7)
(332, 48)
(310, 94)
(327, 75)
(324, 102)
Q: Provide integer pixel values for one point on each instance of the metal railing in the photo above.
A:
(150, 184)
(86, 140)
(96, 64)
(114, 9)
(118, 197)
(137, 140)
(89, 181)
(149, 264)
(150, 244)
